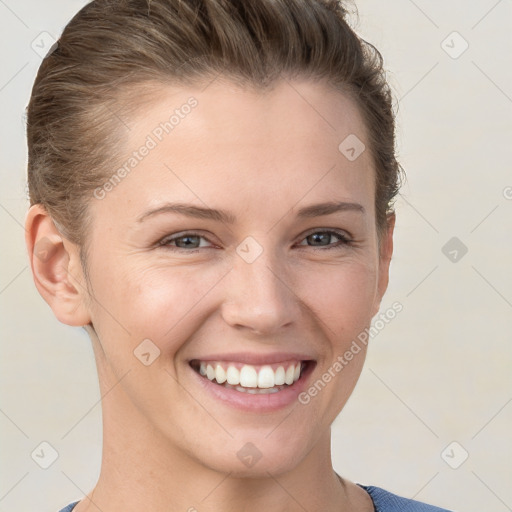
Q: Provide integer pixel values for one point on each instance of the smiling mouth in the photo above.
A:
(252, 379)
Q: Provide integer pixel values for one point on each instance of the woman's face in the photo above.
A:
(248, 271)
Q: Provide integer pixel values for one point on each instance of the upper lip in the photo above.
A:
(256, 359)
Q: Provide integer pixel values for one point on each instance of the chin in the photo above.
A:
(253, 459)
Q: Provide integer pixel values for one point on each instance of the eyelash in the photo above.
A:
(344, 241)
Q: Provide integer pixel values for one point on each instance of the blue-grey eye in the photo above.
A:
(323, 239)
(188, 241)
(320, 238)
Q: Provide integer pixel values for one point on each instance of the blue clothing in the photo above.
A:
(69, 508)
(383, 501)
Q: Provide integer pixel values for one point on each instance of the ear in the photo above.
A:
(56, 268)
(385, 254)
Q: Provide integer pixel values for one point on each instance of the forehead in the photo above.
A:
(220, 142)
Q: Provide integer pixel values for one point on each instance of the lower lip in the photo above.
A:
(248, 402)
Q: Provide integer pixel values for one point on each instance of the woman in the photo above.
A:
(211, 186)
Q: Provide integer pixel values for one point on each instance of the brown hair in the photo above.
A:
(112, 47)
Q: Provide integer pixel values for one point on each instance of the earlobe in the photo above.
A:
(55, 268)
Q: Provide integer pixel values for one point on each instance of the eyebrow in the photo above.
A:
(198, 212)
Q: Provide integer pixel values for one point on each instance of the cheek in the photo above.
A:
(162, 303)
(342, 297)
(167, 304)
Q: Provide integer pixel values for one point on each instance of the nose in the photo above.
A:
(259, 298)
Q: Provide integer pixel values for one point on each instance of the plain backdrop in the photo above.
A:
(431, 415)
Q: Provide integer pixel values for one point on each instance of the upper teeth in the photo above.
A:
(251, 376)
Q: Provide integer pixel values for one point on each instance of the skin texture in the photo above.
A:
(260, 156)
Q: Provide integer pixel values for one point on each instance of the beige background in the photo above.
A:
(438, 373)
